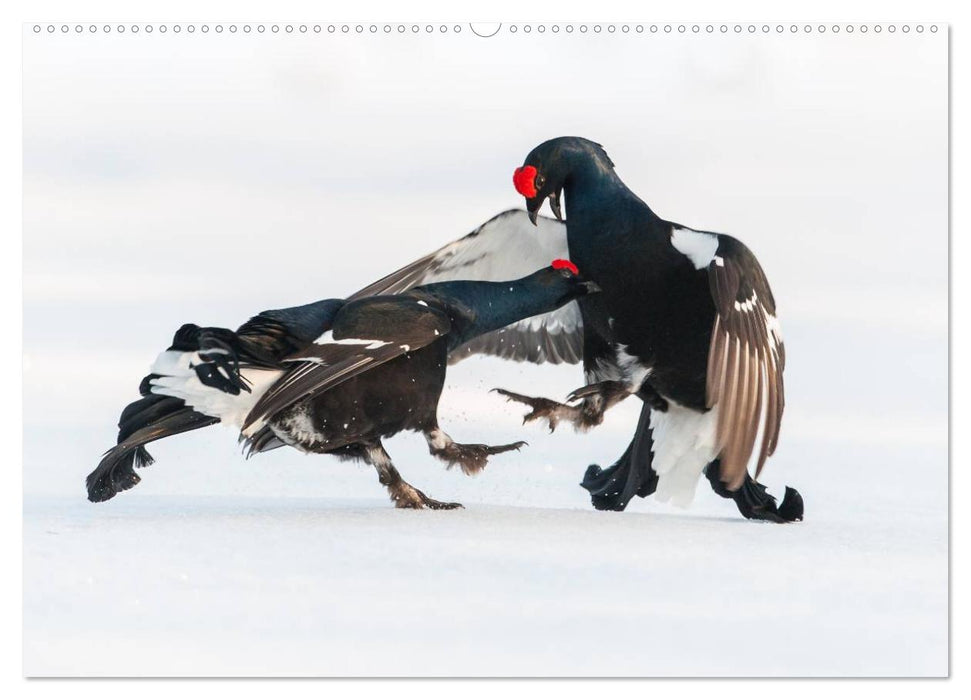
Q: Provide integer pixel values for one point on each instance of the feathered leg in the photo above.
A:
(403, 494)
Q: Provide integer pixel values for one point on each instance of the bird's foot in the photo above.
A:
(404, 495)
(552, 411)
(583, 416)
(471, 458)
(599, 397)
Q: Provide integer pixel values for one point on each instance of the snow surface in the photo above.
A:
(298, 565)
(296, 586)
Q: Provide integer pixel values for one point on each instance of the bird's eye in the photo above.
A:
(566, 273)
(538, 182)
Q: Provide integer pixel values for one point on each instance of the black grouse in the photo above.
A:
(686, 321)
(333, 377)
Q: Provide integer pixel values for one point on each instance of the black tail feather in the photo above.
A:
(632, 474)
(146, 420)
(260, 342)
(143, 458)
(263, 440)
(146, 411)
(754, 501)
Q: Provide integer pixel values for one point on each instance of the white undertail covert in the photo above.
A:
(685, 442)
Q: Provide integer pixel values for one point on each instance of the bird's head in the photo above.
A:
(564, 281)
(549, 166)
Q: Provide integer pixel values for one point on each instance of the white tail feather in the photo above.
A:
(180, 380)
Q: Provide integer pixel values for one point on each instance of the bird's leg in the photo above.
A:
(470, 458)
(754, 502)
(653, 399)
(403, 494)
(595, 400)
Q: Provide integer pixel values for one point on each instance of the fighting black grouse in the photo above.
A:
(686, 322)
(333, 377)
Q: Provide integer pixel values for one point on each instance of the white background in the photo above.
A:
(864, 292)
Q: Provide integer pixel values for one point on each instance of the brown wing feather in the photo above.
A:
(324, 365)
(745, 361)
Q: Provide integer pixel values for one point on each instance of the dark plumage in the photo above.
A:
(262, 342)
(686, 320)
(333, 377)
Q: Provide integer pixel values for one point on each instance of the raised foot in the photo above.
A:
(404, 495)
(472, 458)
(553, 411)
(600, 397)
(604, 390)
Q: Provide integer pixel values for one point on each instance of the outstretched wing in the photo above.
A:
(505, 247)
(745, 360)
(359, 346)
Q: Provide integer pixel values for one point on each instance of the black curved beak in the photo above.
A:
(555, 205)
(591, 287)
(534, 205)
(532, 208)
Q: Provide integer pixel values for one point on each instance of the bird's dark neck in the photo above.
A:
(602, 214)
(593, 189)
(476, 308)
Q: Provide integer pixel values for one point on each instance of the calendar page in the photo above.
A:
(426, 349)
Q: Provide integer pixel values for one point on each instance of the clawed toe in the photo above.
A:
(542, 408)
(499, 449)
(582, 393)
(472, 458)
(407, 496)
(537, 404)
(432, 504)
(512, 395)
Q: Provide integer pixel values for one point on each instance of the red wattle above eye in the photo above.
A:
(561, 264)
(525, 181)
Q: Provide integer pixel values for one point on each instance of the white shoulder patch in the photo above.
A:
(699, 247)
(328, 339)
